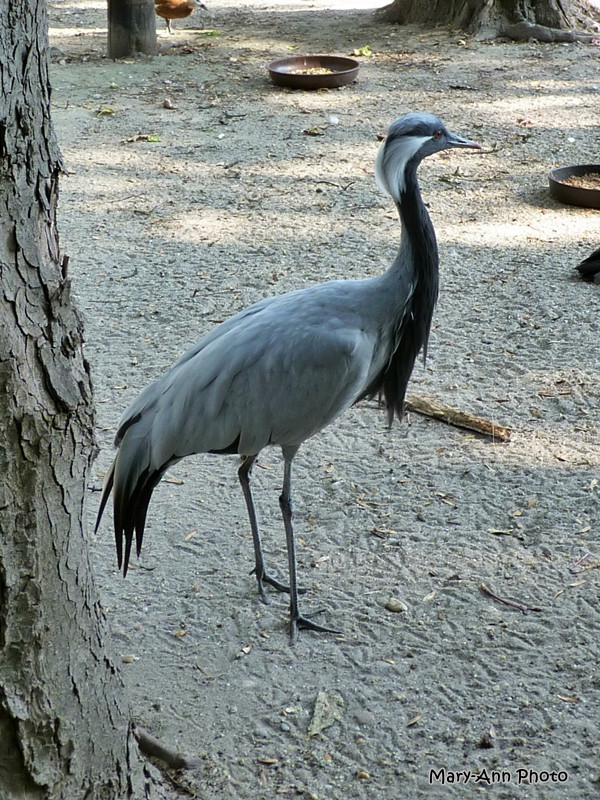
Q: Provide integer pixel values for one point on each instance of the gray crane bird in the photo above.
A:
(279, 371)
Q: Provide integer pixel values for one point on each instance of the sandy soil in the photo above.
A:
(176, 217)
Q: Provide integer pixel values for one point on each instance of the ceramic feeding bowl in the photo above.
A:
(577, 186)
(313, 72)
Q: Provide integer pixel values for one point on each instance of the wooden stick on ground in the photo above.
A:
(486, 590)
(453, 416)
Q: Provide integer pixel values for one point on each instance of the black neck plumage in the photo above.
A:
(417, 266)
(418, 233)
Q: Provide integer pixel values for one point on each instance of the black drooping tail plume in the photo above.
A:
(132, 478)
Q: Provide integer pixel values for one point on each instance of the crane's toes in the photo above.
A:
(263, 595)
(305, 623)
(280, 587)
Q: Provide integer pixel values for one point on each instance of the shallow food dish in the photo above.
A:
(577, 191)
(313, 72)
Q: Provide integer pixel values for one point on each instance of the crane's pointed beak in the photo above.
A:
(452, 140)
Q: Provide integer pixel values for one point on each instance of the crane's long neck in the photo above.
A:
(418, 252)
(412, 283)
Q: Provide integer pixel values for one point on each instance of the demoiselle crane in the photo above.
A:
(279, 371)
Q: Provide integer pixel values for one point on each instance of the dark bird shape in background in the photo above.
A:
(279, 371)
(589, 269)
(176, 9)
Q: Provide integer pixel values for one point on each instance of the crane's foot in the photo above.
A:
(300, 622)
(266, 578)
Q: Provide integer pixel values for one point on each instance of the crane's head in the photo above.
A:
(410, 139)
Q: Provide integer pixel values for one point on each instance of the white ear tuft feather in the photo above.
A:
(392, 158)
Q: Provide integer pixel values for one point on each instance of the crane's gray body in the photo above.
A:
(281, 370)
(276, 373)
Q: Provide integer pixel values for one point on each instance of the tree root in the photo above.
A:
(523, 30)
(150, 746)
(491, 19)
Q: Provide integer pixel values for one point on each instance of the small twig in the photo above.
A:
(555, 393)
(506, 602)
(180, 786)
(589, 566)
(337, 185)
(579, 562)
(135, 196)
(456, 417)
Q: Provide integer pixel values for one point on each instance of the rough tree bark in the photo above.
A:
(131, 28)
(545, 20)
(65, 729)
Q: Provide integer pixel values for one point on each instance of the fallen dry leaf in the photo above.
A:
(329, 707)
(314, 131)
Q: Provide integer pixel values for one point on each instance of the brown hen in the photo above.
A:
(176, 9)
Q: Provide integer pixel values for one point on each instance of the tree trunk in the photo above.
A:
(65, 728)
(131, 28)
(546, 20)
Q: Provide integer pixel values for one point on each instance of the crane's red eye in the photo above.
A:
(437, 134)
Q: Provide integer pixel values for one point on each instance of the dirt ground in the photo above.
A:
(174, 218)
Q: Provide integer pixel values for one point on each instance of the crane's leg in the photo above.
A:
(262, 576)
(285, 503)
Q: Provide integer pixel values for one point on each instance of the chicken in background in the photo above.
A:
(176, 9)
